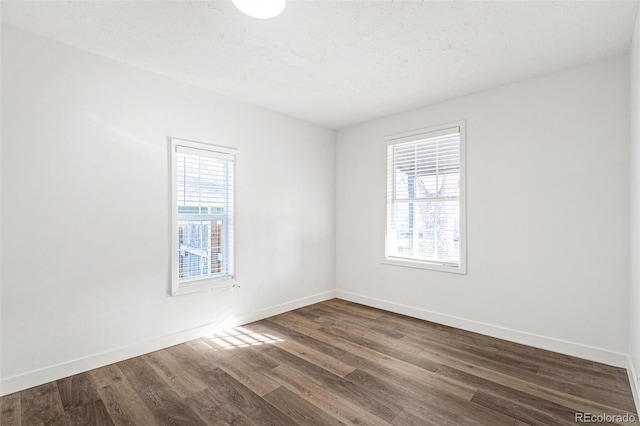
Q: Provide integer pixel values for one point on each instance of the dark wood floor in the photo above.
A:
(332, 363)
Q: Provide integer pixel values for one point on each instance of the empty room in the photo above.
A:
(271, 212)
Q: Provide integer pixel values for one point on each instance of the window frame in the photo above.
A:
(416, 135)
(210, 283)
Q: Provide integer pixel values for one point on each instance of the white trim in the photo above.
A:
(423, 264)
(217, 151)
(202, 145)
(634, 382)
(204, 285)
(90, 362)
(285, 307)
(579, 350)
(181, 149)
(80, 365)
(421, 135)
(434, 130)
(459, 126)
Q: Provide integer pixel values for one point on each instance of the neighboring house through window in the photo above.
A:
(425, 224)
(203, 219)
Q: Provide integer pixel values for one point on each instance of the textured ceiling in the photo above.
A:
(339, 63)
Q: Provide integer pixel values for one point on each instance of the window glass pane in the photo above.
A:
(444, 185)
(200, 248)
(425, 231)
(205, 216)
(427, 169)
(424, 189)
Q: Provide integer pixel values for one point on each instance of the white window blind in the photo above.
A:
(204, 216)
(425, 184)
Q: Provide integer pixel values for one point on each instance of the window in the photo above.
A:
(203, 248)
(425, 226)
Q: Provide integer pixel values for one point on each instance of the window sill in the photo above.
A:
(203, 285)
(455, 269)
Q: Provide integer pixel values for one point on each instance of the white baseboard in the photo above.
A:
(633, 381)
(76, 366)
(591, 353)
(284, 307)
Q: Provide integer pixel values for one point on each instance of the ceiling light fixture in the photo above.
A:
(261, 9)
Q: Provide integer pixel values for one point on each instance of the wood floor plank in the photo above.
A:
(381, 407)
(344, 410)
(473, 353)
(330, 314)
(332, 363)
(347, 346)
(168, 408)
(368, 328)
(206, 350)
(64, 420)
(165, 405)
(439, 406)
(258, 362)
(532, 387)
(244, 400)
(520, 411)
(182, 379)
(388, 349)
(455, 337)
(214, 409)
(41, 405)
(440, 354)
(237, 337)
(77, 390)
(522, 398)
(430, 416)
(354, 309)
(107, 375)
(304, 312)
(614, 400)
(10, 412)
(196, 352)
(290, 334)
(140, 374)
(299, 410)
(405, 418)
(590, 378)
(308, 353)
(326, 362)
(293, 318)
(243, 372)
(356, 354)
(408, 346)
(91, 414)
(412, 375)
(124, 405)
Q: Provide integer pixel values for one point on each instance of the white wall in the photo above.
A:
(547, 209)
(85, 212)
(86, 231)
(634, 156)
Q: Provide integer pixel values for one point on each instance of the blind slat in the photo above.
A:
(423, 197)
(205, 214)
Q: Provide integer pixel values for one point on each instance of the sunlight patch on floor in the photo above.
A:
(241, 337)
